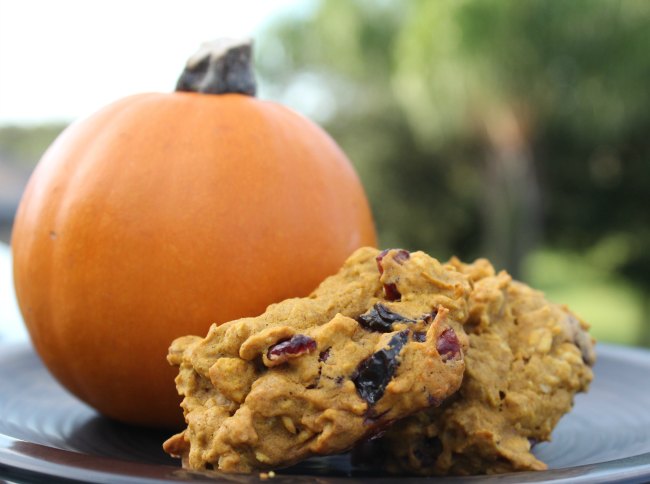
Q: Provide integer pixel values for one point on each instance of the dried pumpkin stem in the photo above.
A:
(219, 67)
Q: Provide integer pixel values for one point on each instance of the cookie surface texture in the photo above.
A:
(375, 343)
(526, 361)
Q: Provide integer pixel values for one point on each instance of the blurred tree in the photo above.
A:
(344, 50)
(560, 83)
(475, 124)
(20, 149)
(24, 145)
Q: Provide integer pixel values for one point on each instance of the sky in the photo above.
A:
(64, 59)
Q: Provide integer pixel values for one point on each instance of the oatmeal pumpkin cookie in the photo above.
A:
(376, 342)
(526, 360)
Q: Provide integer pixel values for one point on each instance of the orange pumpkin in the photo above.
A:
(164, 213)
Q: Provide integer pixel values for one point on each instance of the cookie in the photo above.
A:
(376, 342)
(526, 360)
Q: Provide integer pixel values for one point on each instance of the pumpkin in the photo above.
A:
(166, 212)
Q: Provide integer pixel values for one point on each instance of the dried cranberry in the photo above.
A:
(391, 292)
(375, 372)
(419, 336)
(379, 259)
(298, 344)
(448, 345)
(401, 256)
(427, 318)
(381, 319)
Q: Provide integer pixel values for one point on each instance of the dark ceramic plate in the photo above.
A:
(47, 435)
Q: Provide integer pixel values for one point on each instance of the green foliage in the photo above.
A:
(484, 127)
(24, 145)
(346, 46)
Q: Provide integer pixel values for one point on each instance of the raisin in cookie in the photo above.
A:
(526, 360)
(376, 342)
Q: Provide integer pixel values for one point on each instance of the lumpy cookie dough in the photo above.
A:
(526, 360)
(376, 342)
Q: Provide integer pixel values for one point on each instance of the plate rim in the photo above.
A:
(24, 460)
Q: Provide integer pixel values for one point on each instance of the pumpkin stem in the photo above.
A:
(219, 67)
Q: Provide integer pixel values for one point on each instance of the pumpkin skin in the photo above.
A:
(162, 214)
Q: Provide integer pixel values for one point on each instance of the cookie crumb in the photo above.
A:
(267, 475)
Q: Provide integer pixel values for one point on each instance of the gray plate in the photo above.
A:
(47, 435)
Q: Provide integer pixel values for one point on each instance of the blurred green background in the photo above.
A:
(513, 130)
